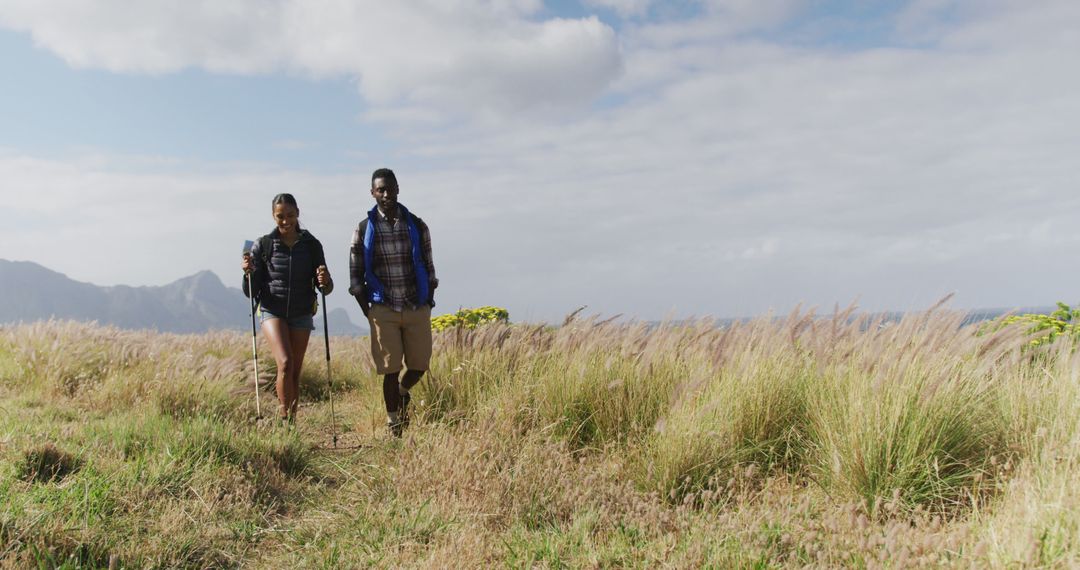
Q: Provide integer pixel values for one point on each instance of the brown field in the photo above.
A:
(805, 442)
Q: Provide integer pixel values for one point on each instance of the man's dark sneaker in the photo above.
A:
(405, 398)
(395, 428)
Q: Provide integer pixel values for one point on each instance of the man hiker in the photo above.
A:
(393, 279)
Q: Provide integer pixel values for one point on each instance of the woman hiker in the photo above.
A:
(286, 266)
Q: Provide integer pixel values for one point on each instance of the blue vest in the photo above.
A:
(376, 293)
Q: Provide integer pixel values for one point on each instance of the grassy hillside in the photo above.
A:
(768, 444)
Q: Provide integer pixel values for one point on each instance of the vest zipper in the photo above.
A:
(288, 290)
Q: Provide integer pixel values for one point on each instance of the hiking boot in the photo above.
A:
(405, 398)
(395, 428)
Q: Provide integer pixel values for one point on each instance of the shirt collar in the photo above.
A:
(382, 215)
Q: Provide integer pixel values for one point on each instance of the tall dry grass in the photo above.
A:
(866, 409)
(838, 440)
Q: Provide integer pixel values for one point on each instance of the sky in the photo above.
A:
(637, 157)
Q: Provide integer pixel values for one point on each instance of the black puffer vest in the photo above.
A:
(284, 277)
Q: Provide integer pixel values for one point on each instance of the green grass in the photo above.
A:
(820, 442)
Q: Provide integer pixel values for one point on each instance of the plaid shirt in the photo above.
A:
(392, 261)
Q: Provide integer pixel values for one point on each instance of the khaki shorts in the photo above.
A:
(396, 335)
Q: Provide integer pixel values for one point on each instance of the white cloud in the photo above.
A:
(460, 56)
(718, 20)
(765, 250)
(880, 171)
(150, 227)
(625, 8)
(985, 24)
(292, 144)
(750, 14)
(738, 175)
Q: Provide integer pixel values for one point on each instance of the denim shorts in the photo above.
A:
(301, 322)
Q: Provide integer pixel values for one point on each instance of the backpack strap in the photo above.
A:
(320, 255)
(265, 247)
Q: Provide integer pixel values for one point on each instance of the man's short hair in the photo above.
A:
(386, 174)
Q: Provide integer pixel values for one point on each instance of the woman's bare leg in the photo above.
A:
(277, 334)
(298, 341)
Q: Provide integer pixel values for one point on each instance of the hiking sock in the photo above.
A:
(390, 393)
(410, 379)
(405, 399)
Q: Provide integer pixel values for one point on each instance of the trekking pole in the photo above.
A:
(254, 348)
(329, 378)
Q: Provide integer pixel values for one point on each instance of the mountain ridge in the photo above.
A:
(193, 304)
